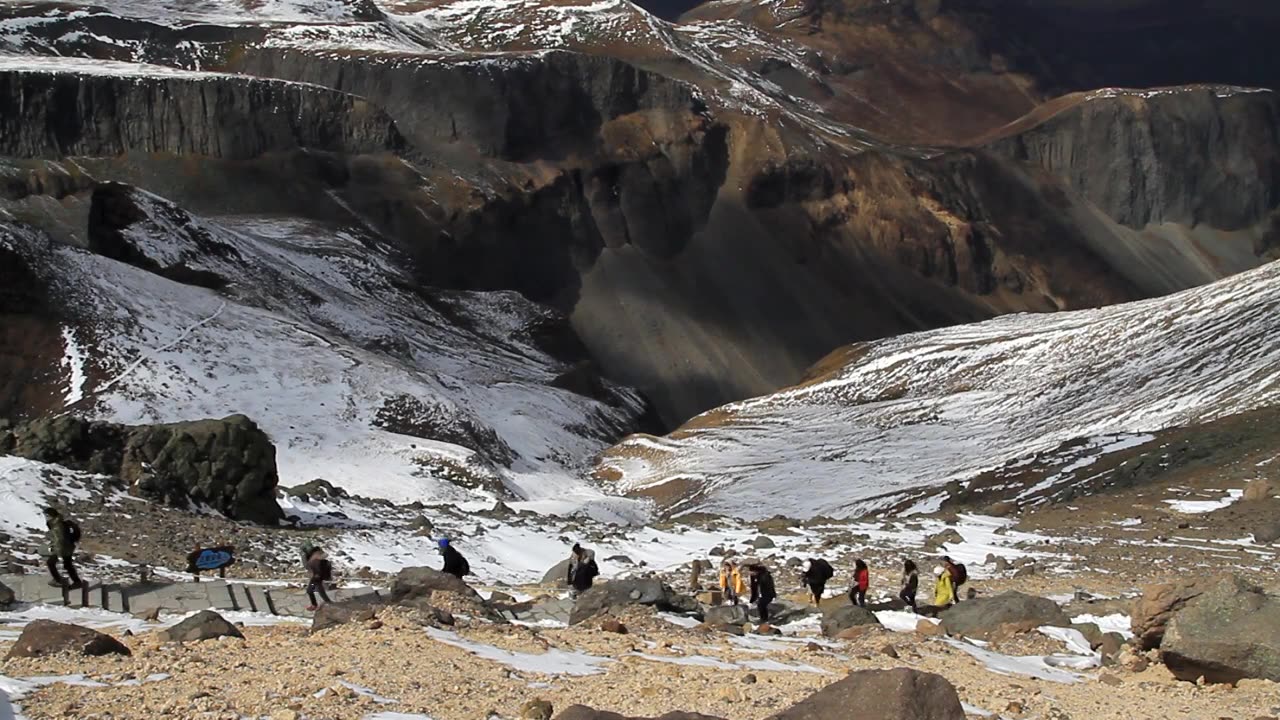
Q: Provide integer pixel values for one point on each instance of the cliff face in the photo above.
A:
(108, 109)
(1187, 156)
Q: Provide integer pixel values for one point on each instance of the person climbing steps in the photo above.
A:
(63, 536)
(321, 572)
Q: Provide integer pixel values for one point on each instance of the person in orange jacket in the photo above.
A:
(861, 581)
(731, 582)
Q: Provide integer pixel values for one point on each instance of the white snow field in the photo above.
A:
(916, 411)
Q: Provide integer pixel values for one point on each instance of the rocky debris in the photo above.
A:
(1131, 660)
(435, 419)
(724, 628)
(227, 464)
(422, 582)
(41, 638)
(1229, 632)
(323, 489)
(346, 611)
(843, 617)
(935, 542)
(899, 694)
(763, 542)
(582, 712)
(1153, 610)
(1091, 632)
(1110, 647)
(499, 597)
(979, 618)
(620, 593)
(613, 626)
(726, 615)
(7, 597)
(204, 625)
(767, 629)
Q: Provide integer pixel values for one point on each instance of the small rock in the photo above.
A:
(613, 626)
(1109, 679)
(285, 715)
(1259, 489)
(536, 709)
(767, 629)
(375, 625)
(749, 679)
(813, 647)
(763, 543)
(151, 615)
(890, 651)
(1014, 708)
(729, 694)
(924, 628)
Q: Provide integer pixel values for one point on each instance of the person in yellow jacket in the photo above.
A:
(731, 582)
(944, 593)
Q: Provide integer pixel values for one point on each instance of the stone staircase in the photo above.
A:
(173, 597)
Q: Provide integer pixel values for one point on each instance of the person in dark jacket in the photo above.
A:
(861, 581)
(763, 591)
(63, 535)
(320, 571)
(454, 563)
(910, 584)
(959, 575)
(815, 573)
(582, 570)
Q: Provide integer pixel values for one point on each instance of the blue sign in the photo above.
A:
(210, 559)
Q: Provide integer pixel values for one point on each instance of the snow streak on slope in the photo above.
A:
(316, 338)
(919, 410)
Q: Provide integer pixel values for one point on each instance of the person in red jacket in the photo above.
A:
(861, 581)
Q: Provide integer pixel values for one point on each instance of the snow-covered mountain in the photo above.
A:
(895, 420)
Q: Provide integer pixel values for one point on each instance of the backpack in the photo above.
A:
(73, 531)
(962, 574)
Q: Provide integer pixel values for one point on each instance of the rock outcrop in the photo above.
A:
(582, 712)
(836, 620)
(1230, 632)
(204, 625)
(978, 618)
(104, 113)
(7, 596)
(41, 638)
(227, 464)
(1157, 605)
(651, 592)
(420, 582)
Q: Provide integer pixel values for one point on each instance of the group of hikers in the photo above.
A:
(815, 573)
(758, 585)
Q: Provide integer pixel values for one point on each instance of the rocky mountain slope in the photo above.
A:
(902, 423)
(698, 198)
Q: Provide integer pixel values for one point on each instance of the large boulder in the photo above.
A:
(7, 596)
(726, 615)
(582, 712)
(899, 694)
(204, 625)
(978, 618)
(1153, 610)
(620, 593)
(42, 638)
(421, 582)
(227, 464)
(334, 614)
(1228, 633)
(842, 617)
(558, 575)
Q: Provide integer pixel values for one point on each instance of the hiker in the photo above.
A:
(63, 536)
(944, 594)
(910, 584)
(762, 590)
(959, 575)
(861, 581)
(731, 582)
(582, 570)
(815, 573)
(321, 571)
(454, 563)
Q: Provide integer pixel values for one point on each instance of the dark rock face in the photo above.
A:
(44, 637)
(228, 464)
(899, 694)
(420, 582)
(977, 617)
(1187, 156)
(620, 593)
(30, 339)
(838, 619)
(7, 596)
(1228, 633)
(446, 423)
(235, 119)
(204, 625)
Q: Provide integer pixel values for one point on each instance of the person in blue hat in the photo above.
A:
(454, 563)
